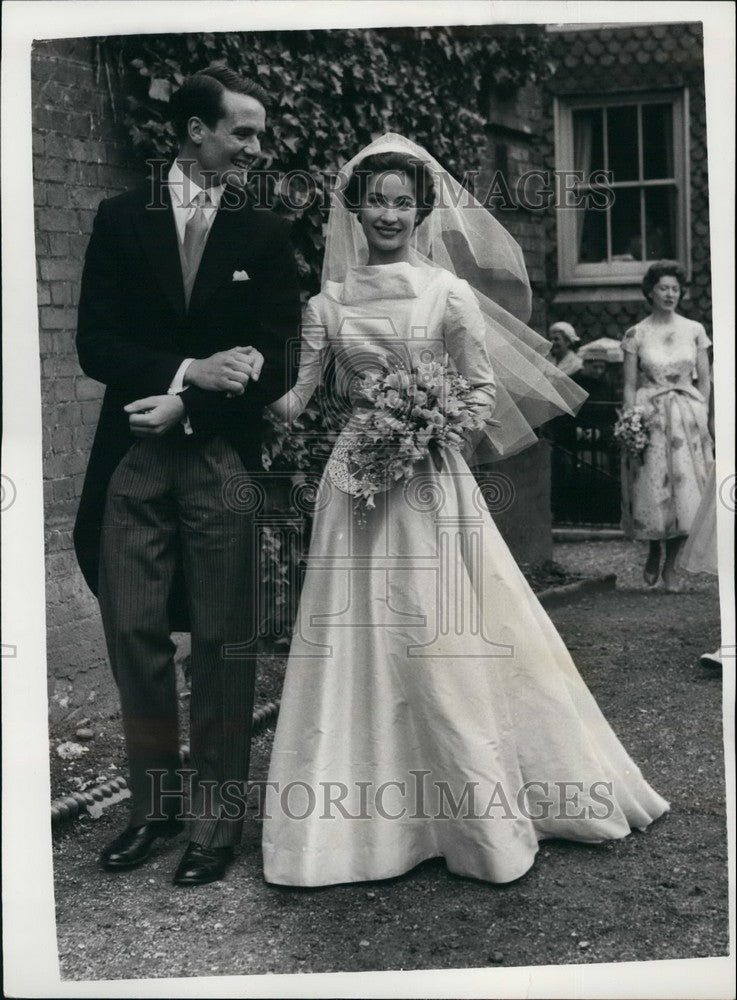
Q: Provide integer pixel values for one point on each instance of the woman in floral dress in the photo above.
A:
(666, 371)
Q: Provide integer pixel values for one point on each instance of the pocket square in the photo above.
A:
(241, 276)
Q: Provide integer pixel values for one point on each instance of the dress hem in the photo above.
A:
(404, 870)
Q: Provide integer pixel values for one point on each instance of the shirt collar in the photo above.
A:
(184, 190)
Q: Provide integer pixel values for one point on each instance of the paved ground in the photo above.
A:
(657, 895)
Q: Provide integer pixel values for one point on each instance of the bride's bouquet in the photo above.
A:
(402, 417)
(632, 430)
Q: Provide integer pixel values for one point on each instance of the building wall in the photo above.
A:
(604, 61)
(514, 133)
(519, 500)
(79, 157)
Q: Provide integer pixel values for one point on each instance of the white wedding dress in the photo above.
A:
(430, 708)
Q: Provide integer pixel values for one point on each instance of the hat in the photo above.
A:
(567, 330)
(603, 349)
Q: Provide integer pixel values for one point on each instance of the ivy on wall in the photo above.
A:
(334, 92)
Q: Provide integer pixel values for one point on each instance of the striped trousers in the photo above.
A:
(165, 504)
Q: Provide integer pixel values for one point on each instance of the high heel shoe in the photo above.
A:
(671, 581)
(650, 578)
(652, 575)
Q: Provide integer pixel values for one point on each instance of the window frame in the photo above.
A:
(621, 273)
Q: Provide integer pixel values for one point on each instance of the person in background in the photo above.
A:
(594, 375)
(666, 371)
(565, 341)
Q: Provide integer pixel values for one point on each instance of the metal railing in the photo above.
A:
(585, 467)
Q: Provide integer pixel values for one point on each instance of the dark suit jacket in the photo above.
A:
(134, 332)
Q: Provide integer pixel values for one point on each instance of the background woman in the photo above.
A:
(565, 343)
(666, 371)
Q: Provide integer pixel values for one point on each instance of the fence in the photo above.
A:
(585, 467)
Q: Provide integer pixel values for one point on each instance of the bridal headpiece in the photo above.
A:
(461, 236)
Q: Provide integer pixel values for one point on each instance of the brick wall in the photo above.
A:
(514, 147)
(643, 57)
(79, 158)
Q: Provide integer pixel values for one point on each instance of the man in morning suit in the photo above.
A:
(189, 297)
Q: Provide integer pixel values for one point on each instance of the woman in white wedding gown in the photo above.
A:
(430, 709)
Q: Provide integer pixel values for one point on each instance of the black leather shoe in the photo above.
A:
(134, 845)
(200, 865)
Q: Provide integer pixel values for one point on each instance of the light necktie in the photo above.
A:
(195, 238)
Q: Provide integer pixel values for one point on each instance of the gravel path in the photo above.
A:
(655, 895)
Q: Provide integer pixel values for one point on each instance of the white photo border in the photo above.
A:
(30, 951)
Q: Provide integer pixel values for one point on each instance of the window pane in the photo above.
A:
(591, 235)
(660, 222)
(588, 140)
(626, 235)
(622, 141)
(657, 138)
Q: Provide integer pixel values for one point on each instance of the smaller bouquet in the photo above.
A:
(632, 430)
(403, 416)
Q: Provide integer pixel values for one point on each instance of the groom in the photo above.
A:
(189, 296)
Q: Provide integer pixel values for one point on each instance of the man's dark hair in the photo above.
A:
(663, 269)
(201, 96)
(378, 163)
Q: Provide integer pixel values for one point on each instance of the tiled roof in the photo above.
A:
(630, 57)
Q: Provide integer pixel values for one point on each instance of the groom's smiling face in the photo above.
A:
(228, 148)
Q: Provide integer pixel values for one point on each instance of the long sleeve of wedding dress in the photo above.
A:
(464, 332)
(313, 345)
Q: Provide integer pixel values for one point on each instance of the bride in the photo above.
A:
(430, 709)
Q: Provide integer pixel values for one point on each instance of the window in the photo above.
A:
(640, 141)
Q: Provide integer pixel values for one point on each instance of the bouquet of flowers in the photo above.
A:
(632, 430)
(402, 416)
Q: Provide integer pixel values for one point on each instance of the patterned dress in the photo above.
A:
(662, 489)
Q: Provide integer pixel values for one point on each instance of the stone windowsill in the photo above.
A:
(598, 293)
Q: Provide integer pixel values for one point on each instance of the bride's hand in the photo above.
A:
(481, 409)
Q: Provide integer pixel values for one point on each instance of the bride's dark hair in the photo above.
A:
(393, 162)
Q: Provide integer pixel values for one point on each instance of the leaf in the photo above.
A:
(159, 89)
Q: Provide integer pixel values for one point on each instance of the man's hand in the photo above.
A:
(154, 415)
(228, 371)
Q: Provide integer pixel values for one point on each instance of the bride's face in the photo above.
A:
(388, 216)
